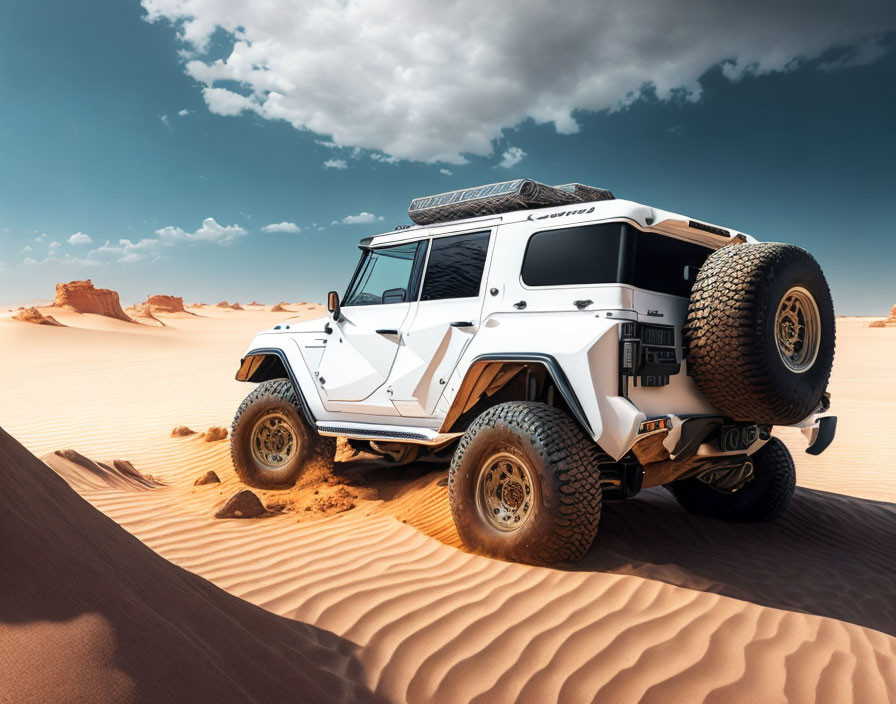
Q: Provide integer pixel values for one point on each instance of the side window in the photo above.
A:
(455, 267)
(586, 254)
(384, 276)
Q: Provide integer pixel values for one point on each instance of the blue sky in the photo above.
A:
(117, 128)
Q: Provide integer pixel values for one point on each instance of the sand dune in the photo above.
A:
(667, 607)
(88, 613)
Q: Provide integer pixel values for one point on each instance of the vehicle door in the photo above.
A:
(365, 339)
(441, 325)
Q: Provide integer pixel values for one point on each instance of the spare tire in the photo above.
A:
(760, 332)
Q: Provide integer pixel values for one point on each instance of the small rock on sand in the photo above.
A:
(244, 504)
(182, 431)
(208, 478)
(215, 433)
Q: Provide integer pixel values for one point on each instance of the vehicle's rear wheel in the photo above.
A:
(764, 498)
(760, 332)
(271, 444)
(524, 485)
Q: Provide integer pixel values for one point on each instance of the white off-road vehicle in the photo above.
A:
(561, 347)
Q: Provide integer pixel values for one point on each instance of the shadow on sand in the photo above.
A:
(830, 555)
(89, 613)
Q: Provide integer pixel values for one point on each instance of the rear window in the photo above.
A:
(611, 253)
(659, 263)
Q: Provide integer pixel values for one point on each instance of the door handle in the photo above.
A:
(461, 324)
(387, 332)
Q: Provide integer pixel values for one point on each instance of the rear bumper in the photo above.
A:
(688, 436)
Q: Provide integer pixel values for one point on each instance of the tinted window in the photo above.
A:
(611, 253)
(588, 254)
(659, 263)
(455, 267)
(384, 276)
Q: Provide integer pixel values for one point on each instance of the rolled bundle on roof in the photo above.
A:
(487, 200)
(585, 194)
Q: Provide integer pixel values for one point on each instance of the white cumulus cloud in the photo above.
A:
(362, 218)
(210, 231)
(335, 164)
(512, 157)
(284, 226)
(434, 81)
(79, 238)
(127, 251)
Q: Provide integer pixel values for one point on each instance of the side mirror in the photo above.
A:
(333, 305)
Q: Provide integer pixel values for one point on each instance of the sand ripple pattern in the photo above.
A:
(666, 607)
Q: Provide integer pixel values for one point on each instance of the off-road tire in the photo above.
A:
(764, 498)
(730, 334)
(565, 469)
(312, 448)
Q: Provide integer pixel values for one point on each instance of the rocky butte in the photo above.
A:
(82, 297)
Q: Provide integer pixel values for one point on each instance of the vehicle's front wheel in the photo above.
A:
(271, 444)
(524, 485)
(764, 498)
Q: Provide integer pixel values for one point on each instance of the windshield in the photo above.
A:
(383, 276)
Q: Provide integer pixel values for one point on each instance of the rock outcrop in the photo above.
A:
(33, 315)
(82, 297)
(164, 304)
(888, 323)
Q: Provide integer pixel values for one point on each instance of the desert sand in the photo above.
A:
(363, 587)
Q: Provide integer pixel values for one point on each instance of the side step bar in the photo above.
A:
(372, 431)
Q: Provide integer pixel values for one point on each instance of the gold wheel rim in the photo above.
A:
(274, 441)
(505, 492)
(798, 329)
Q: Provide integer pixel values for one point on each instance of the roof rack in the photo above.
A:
(495, 198)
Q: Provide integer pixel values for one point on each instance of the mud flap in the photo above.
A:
(821, 435)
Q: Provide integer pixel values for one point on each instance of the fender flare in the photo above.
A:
(250, 370)
(558, 376)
